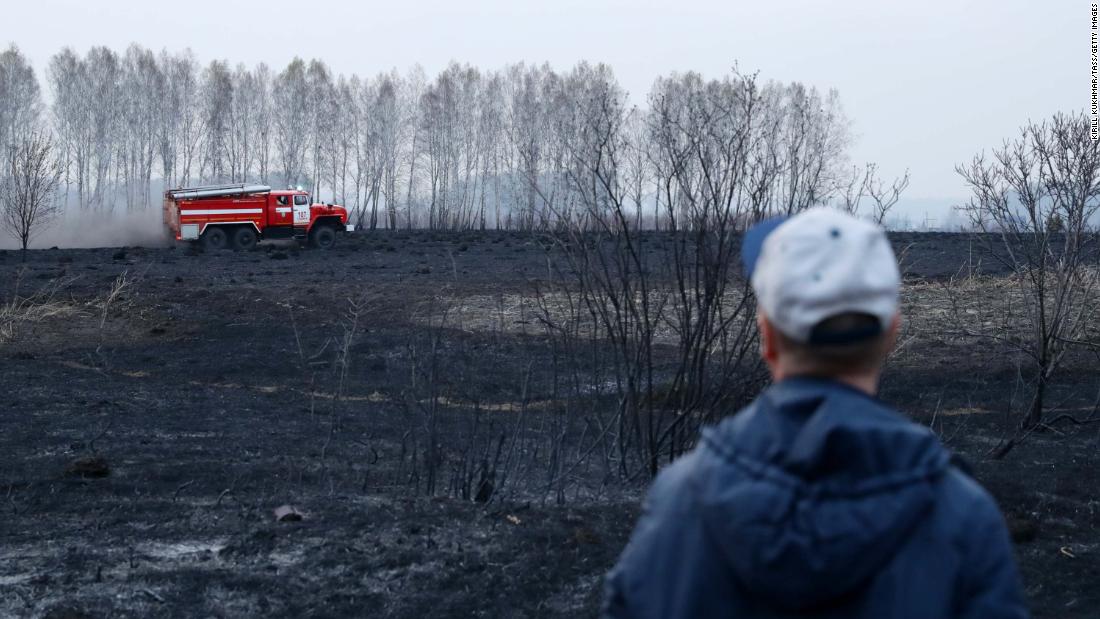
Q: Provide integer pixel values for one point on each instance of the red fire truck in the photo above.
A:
(239, 216)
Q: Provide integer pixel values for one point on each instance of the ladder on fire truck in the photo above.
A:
(215, 191)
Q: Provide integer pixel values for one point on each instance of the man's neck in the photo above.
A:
(867, 382)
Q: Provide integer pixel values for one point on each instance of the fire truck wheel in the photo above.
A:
(244, 238)
(323, 237)
(215, 238)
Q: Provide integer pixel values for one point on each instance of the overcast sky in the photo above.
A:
(926, 84)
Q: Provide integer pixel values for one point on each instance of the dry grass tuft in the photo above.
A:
(40, 306)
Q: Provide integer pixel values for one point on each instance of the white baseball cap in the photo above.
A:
(819, 264)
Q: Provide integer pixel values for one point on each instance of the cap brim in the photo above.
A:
(753, 242)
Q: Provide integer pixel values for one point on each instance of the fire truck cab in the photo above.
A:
(239, 216)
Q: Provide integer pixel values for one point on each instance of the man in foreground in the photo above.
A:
(818, 500)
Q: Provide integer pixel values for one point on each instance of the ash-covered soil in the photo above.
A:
(161, 404)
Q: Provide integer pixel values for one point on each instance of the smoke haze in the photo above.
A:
(76, 228)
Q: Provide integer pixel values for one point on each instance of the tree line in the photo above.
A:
(467, 149)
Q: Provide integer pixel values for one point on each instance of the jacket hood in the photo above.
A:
(815, 487)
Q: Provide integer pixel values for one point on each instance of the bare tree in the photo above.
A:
(290, 95)
(490, 146)
(525, 123)
(179, 118)
(866, 189)
(20, 101)
(219, 156)
(322, 115)
(65, 75)
(415, 83)
(141, 86)
(678, 321)
(813, 142)
(89, 113)
(436, 117)
(1050, 172)
(388, 126)
(264, 121)
(244, 107)
(369, 144)
(105, 122)
(30, 181)
(637, 163)
(343, 141)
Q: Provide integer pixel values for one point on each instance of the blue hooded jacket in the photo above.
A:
(817, 501)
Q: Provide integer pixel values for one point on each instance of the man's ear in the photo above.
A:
(767, 339)
(892, 332)
(769, 346)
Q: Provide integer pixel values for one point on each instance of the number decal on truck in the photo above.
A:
(301, 214)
